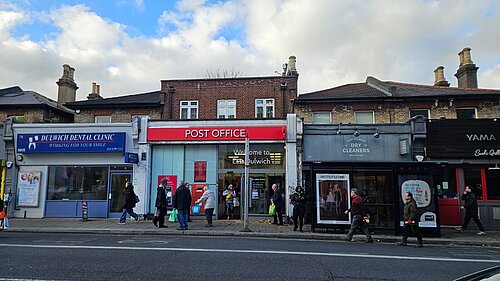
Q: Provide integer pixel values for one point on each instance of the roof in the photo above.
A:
(133, 100)
(16, 97)
(376, 89)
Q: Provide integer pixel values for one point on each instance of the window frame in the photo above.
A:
(420, 109)
(226, 106)
(97, 117)
(466, 108)
(264, 107)
(191, 105)
(319, 113)
(364, 111)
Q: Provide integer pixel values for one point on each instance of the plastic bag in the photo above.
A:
(236, 202)
(272, 210)
(196, 209)
(173, 216)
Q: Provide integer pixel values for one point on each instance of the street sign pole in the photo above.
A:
(246, 190)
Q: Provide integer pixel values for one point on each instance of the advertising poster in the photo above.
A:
(420, 187)
(332, 198)
(28, 189)
(200, 171)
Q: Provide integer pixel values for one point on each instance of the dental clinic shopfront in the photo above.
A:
(212, 153)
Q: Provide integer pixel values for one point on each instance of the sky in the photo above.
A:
(129, 46)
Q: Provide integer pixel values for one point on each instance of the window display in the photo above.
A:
(77, 183)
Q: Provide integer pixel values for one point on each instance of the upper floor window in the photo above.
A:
(466, 113)
(226, 109)
(423, 112)
(264, 108)
(321, 118)
(364, 117)
(102, 119)
(189, 109)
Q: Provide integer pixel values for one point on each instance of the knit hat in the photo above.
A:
(355, 190)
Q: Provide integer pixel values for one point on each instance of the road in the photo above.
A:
(30, 256)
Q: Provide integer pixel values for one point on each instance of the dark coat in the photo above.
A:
(182, 198)
(357, 207)
(129, 198)
(410, 211)
(299, 200)
(161, 198)
(278, 199)
(470, 203)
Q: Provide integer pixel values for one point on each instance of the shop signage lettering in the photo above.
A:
(263, 160)
(481, 137)
(217, 133)
(236, 133)
(83, 142)
(356, 147)
(485, 152)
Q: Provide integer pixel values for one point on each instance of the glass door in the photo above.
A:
(116, 196)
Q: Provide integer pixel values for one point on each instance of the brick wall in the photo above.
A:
(244, 90)
(119, 115)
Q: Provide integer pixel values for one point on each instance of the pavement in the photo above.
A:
(259, 227)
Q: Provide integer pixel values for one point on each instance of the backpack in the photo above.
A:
(136, 198)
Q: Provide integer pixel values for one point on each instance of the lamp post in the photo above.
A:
(246, 190)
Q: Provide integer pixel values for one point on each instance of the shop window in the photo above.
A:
(102, 119)
(264, 108)
(493, 184)
(472, 177)
(226, 109)
(466, 113)
(77, 183)
(262, 156)
(447, 183)
(364, 117)
(423, 112)
(321, 118)
(189, 110)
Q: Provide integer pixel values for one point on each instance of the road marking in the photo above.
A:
(17, 279)
(443, 259)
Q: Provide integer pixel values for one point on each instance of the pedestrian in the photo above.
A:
(182, 202)
(130, 201)
(298, 201)
(410, 221)
(357, 211)
(471, 210)
(161, 205)
(277, 199)
(229, 195)
(208, 197)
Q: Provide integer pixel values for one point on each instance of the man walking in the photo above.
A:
(277, 199)
(357, 211)
(471, 210)
(161, 205)
(410, 220)
(182, 202)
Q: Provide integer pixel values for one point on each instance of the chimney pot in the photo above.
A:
(439, 79)
(292, 70)
(94, 86)
(467, 70)
(67, 87)
(98, 90)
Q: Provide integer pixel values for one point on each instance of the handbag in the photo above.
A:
(195, 209)
(173, 216)
(272, 209)
(236, 202)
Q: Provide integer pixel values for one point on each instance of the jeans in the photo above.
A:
(357, 221)
(209, 213)
(182, 215)
(230, 210)
(130, 212)
(298, 217)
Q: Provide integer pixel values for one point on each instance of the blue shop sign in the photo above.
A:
(73, 142)
(131, 157)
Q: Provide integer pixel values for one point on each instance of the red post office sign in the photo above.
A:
(217, 133)
(200, 171)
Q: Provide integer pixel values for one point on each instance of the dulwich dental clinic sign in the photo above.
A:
(468, 139)
(217, 133)
(72, 142)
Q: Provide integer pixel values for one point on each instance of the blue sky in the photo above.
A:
(128, 46)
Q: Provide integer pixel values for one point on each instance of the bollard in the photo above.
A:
(85, 211)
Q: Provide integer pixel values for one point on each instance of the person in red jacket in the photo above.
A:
(358, 211)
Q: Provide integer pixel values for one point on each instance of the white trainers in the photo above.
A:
(481, 233)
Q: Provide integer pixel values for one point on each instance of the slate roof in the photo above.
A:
(390, 89)
(133, 100)
(16, 97)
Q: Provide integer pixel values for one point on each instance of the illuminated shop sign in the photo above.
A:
(74, 142)
(217, 133)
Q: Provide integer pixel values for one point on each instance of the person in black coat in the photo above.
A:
(182, 202)
(298, 201)
(471, 210)
(161, 205)
(130, 201)
(277, 199)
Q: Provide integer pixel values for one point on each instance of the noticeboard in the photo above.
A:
(28, 189)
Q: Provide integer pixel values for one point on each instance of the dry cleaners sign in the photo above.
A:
(77, 142)
(356, 147)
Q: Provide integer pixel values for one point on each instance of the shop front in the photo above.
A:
(469, 152)
(376, 160)
(61, 166)
(213, 154)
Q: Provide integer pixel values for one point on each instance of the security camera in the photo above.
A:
(9, 164)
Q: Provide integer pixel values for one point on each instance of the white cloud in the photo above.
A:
(336, 42)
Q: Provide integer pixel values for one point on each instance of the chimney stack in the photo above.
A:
(95, 94)
(439, 79)
(67, 87)
(467, 70)
(292, 70)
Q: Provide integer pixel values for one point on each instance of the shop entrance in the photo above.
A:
(260, 192)
(116, 196)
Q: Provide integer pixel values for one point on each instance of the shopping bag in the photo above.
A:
(196, 209)
(2, 214)
(272, 209)
(173, 216)
(236, 202)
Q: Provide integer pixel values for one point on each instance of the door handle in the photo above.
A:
(109, 196)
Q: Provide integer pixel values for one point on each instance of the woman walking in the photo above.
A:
(130, 201)
(209, 198)
(299, 208)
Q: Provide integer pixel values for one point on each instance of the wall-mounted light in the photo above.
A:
(356, 133)
(19, 157)
(339, 131)
(376, 134)
(451, 102)
(436, 103)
